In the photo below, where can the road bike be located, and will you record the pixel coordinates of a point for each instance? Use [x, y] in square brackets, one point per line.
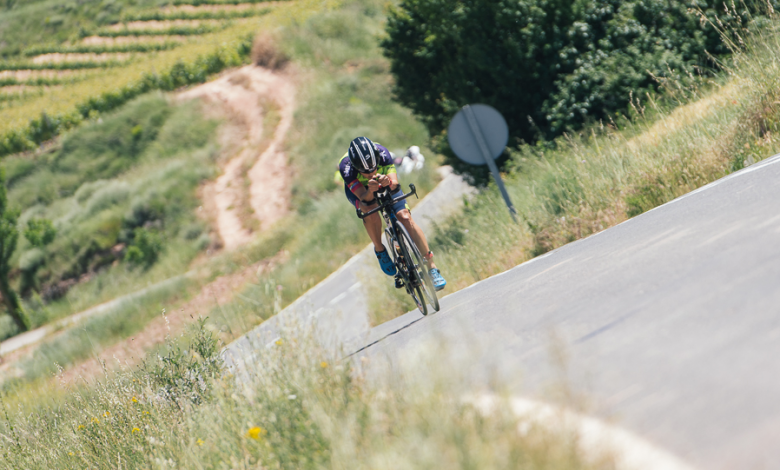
[408, 261]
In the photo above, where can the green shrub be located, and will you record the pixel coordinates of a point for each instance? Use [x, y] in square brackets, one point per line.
[40, 232]
[548, 66]
[145, 249]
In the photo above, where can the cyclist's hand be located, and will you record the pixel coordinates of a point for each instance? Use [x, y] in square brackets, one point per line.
[384, 180]
[373, 186]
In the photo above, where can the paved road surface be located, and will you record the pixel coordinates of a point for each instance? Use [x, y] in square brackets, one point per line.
[338, 304]
[671, 321]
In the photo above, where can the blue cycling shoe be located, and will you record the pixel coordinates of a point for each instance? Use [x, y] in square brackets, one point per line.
[438, 281]
[386, 263]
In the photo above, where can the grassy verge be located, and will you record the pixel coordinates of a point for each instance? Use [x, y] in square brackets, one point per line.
[606, 175]
[296, 410]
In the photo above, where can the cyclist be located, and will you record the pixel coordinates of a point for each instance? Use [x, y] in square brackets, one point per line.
[365, 168]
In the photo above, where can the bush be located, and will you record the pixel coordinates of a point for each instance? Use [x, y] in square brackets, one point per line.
[40, 232]
[547, 66]
[145, 249]
[266, 53]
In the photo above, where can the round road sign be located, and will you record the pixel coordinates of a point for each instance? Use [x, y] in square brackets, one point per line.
[466, 144]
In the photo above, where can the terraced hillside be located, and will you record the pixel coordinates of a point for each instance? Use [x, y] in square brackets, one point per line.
[90, 65]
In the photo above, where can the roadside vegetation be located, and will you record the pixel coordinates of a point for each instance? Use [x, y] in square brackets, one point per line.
[295, 408]
[553, 67]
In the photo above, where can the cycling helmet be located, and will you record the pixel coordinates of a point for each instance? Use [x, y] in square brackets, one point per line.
[363, 154]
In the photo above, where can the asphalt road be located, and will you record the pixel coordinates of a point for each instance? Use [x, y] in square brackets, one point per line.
[338, 306]
[670, 321]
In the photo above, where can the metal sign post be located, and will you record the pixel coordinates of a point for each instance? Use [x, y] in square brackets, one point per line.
[478, 135]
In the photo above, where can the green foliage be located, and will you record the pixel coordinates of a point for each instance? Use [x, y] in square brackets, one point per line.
[9, 235]
[145, 249]
[182, 73]
[186, 374]
[75, 65]
[40, 232]
[100, 48]
[197, 15]
[549, 66]
[171, 31]
[137, 168]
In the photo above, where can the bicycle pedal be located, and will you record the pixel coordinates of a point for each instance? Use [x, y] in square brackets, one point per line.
[399, 283]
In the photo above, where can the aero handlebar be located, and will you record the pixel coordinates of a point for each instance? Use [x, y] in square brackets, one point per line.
[390, 202]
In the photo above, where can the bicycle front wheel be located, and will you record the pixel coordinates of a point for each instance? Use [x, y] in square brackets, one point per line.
[422, 284]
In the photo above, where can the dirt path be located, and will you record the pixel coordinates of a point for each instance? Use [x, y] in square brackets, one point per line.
[242, 97]
[130, 351]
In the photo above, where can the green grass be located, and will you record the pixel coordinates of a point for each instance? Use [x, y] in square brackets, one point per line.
[140, 167]
[170, 31]
[197, 15]
[99, 48]
[29, 23]
[91, 336]
[296, 410]
[64, 65]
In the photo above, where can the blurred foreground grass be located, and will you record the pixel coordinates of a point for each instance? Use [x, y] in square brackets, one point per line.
[295, 408]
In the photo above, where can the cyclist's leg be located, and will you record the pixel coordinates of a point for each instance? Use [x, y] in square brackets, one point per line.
[404, 215]
[373, 222]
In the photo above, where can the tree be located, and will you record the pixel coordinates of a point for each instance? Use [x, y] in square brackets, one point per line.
[550, 66]
[9, 235]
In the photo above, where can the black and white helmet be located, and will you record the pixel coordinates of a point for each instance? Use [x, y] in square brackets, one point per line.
[363, 154]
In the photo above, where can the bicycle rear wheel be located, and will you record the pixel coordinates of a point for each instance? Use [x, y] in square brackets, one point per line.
[422, 285]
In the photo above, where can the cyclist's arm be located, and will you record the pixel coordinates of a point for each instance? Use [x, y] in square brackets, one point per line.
[362, 193]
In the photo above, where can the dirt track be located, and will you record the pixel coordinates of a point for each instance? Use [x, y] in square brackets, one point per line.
[243, 98]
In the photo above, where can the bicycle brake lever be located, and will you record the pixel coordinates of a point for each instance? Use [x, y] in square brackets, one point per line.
[414, 190]
[359, 213]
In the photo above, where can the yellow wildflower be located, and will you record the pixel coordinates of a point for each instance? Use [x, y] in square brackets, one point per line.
[278, 342]
[134, 400]
[199, 442]
[135, 430]
[95, 420]
[107, 414]
[256, 433]
[81, 426]
[323, 364]
[70, 453]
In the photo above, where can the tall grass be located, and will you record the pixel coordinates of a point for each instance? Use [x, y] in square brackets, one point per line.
[295, 409]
